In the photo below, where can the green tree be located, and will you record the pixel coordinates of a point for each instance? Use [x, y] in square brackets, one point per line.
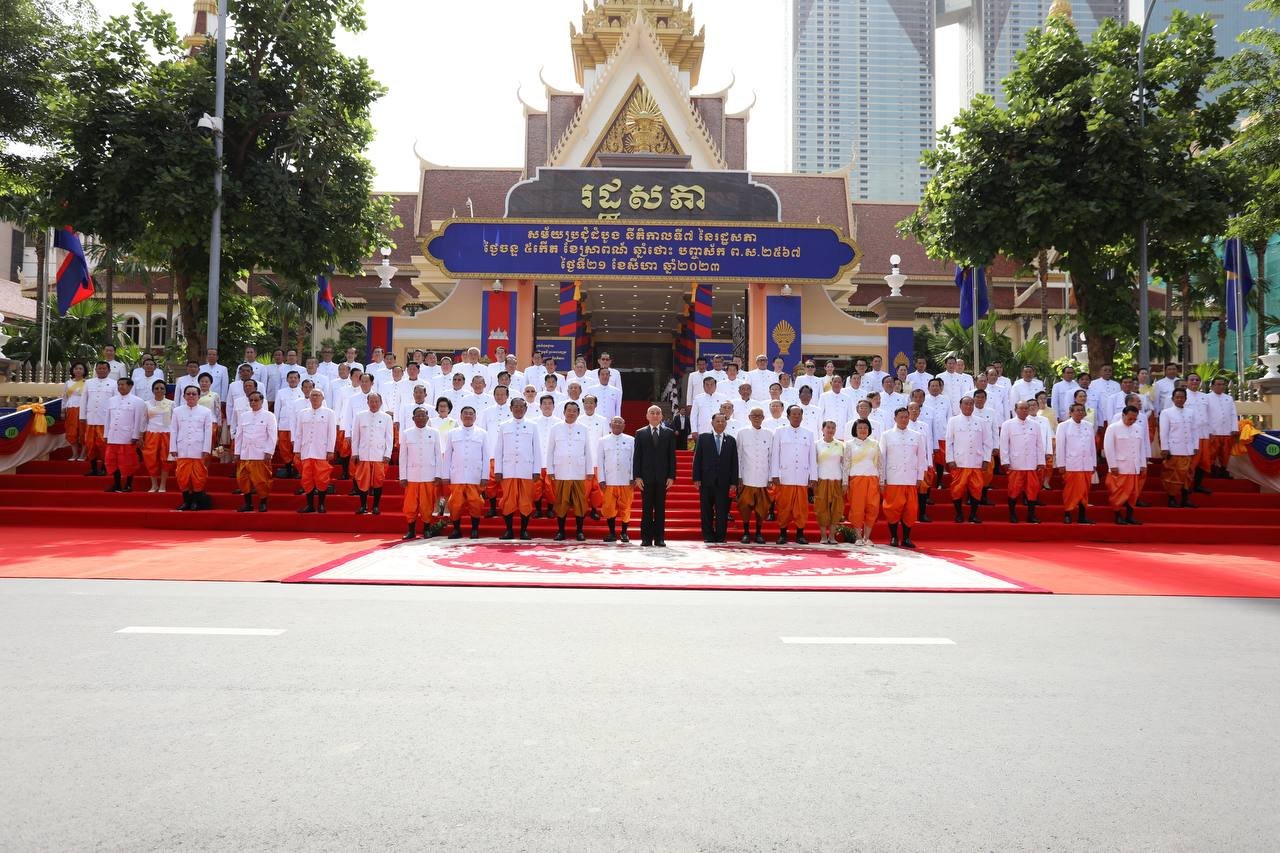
[78, 335]
[297, 191]
[1067, 165]
[1253, 74]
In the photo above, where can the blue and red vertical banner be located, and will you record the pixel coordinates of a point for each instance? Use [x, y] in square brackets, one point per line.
[324, 294]
[380, 334]
[497, 322]
[782, 327]
[901, 344]
[700, 317]
[569, 291]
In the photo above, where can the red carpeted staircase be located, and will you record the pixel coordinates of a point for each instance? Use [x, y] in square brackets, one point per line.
[57, 494]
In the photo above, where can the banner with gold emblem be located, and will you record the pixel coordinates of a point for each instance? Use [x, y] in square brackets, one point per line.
[782, 320]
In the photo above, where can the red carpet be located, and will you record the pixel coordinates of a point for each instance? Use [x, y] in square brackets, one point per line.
[56, 494]
[1245, 570]
[1073, 568]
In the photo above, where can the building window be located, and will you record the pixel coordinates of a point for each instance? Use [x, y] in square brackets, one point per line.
[132, 328]
[159, 331]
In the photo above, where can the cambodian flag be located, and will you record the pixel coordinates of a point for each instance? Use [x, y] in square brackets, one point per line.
[324, 294]
[74, 282]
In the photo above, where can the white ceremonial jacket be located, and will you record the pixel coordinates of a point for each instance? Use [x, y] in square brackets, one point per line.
[862, 458]
[126, 419]
[287, 400]
[255, 435]
[922, 426]
[1198, 403]
[969, 442]
[793, 462]
[517, 449]
[993, 422]
[1022, 390]
[937, 411]
[1063, 392]
[543, 425]
[570, 454]
[1126, 448]
[702, 409]
[616, 458]
[190, 432]
[906, 456]
[142, 382]
[760, 380]
[420, 454]
[315, 432]
[1075, 449]
[465, 460]
[97, 396]
[1022, 444]
[755, 456]
[371, 436]
[1179, 432]
[1222, 413]
[836, 407]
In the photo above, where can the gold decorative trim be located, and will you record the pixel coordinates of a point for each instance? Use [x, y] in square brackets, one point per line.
[841, 236]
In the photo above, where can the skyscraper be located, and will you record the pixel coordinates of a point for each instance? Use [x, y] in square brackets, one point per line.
[862, 92]
[995, 30]
[1230, 19]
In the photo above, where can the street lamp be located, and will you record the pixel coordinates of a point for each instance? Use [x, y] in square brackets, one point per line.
[385, 271]
[1144, 308]
[895, 279]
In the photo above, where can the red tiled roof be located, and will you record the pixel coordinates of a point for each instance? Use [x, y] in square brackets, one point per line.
[806, 198]
[940, 296]
[406, 207]
[876, 233]
[445, 193]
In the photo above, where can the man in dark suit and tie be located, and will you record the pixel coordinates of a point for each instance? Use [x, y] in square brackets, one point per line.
[654, 469]
[679, 424]
[715, 469]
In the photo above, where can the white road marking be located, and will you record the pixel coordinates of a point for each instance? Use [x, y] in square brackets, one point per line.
[214, 632]
[870, 641]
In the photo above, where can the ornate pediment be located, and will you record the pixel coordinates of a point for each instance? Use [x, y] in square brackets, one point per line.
[637, 127]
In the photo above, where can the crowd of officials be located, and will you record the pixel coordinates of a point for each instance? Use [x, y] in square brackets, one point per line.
[472, 438]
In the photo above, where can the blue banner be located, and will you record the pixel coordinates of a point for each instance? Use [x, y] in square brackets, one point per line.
[782, 327]
[711, 349]
[900, 345]
[591, 249]
[561, 349]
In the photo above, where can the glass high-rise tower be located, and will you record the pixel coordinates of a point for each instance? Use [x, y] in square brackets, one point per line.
[995, 30]
[1230, 19]
[862, 92]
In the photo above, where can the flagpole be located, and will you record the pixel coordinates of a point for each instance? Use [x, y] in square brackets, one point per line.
[315, 323]
[974, 297]
[1238, 295]
[44, 313]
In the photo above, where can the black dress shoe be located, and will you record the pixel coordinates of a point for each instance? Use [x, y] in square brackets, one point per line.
[624, 537]
[645, 543]
[661, 543]
[746, 539]
[800, 540]
[759, 540]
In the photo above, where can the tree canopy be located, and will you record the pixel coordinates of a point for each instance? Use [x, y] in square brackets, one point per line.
[297, 191]
[1069, 165]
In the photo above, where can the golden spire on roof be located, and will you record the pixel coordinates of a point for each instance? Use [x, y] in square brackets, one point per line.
[1060, 9]
[605, 21]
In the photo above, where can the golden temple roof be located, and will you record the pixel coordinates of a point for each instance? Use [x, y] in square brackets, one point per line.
[604, 23]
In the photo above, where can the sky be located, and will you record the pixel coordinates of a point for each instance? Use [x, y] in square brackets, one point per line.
[452, 71]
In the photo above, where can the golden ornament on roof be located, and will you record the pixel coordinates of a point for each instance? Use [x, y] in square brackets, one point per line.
[784, 335]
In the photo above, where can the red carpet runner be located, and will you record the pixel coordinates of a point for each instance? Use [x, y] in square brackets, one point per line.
[56, 494]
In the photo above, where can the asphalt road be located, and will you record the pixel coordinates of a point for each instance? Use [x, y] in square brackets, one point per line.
[452, 719]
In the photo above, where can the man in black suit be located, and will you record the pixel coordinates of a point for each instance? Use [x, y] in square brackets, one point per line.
[679, 424]
[715, 469]
[653, 466]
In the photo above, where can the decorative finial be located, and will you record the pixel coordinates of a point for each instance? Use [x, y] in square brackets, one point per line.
[1060, 9]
